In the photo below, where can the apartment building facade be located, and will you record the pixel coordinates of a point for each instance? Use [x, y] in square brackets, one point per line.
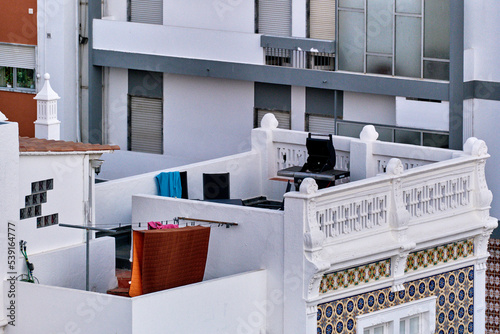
[200, 76]
[37, 37]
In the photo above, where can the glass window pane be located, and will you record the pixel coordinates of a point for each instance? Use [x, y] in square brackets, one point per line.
[414, 324]
[437, 29]
[407, 137]
[436, 140]
[378, 330]
[402, 327]
[384, 134]
[409, 6]
[366, 331]
[25, 78]
[379, 65]
[351, 41]
[408, 46]
[6, 77]
[349, 129]
[359, 4]
[436, 70]
[379, 26]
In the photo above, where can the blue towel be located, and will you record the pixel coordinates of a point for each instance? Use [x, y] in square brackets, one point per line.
[169, 184]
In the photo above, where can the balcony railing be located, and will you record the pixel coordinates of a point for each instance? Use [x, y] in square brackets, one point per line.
[299, 52]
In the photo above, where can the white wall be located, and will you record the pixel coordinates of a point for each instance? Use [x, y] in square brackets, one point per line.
[66, 267]
[9, 189]
[485, 126]
[422, 114]
[67, 199]
[46, 309]
[116, 106]
[206, 117]
[231, 305]
[369, 108]
[257, 242]
[482, 26]
[57, 56]
[229, 15]
[177, 41]
[114, 198]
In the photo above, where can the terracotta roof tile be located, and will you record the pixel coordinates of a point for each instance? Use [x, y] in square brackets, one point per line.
[27, 144]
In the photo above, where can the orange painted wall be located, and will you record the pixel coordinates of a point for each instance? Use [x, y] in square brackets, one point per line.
[20, 108]
[16, 24]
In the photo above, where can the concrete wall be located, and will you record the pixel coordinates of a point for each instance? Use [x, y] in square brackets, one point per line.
[66, 267]
[114, 198]
[228, 15]
[9, 189]
[422, 114]
[236, 304]
[66, 199]
[257, 242]
[47, 309]
[20, 108]
[206, 118]
[177, 41]
[369, 108]
[17, 25]
[57, 55]
[485, 125]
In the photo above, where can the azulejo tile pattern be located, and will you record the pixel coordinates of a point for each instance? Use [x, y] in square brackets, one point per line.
[454, 305]
[438, 255]
[354, 276]
[492, 314]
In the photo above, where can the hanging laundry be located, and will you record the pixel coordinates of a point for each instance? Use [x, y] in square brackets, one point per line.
[160, 226]
[169, 184]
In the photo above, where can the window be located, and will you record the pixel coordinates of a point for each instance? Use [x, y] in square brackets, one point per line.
[283, 118]
[145, 125]
[408, 38]
[11, 77]
[410, 325]
[415, 317]
[17, 67]
[379, 329]
[145, 11]
[274, 17]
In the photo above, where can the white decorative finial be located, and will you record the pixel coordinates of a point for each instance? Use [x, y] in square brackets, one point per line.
[394, 167]
[475, 147]
[308, 186]
[46, 125]
[368, 133]
[3, 118]
[269, 121]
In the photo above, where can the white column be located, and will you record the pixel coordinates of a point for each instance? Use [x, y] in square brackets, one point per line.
[46, 125]
[298, 113]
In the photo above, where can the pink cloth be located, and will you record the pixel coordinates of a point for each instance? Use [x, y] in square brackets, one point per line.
[160, 226]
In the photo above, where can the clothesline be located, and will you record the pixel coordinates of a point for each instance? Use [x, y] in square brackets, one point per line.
[175, 221]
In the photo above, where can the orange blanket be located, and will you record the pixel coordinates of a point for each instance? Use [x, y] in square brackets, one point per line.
[164, 259]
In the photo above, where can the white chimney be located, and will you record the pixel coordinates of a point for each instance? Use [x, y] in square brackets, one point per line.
[46, 125]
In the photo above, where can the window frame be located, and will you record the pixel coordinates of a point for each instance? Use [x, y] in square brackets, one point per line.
[14, 87]
[392, 55]
[390, 317]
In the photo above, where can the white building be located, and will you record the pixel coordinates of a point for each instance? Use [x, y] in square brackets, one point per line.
[403, 243]
[423, 72]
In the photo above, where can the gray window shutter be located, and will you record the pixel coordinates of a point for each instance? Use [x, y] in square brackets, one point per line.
[320, 124]
[283, 118]
[275, 17]
[146, 11]
[146, 125]
[20, 56]
[322, 19]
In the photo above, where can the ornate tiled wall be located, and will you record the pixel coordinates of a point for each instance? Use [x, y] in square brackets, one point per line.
[454, 305]
[354, 276]
[438, 255]
[493, 288]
